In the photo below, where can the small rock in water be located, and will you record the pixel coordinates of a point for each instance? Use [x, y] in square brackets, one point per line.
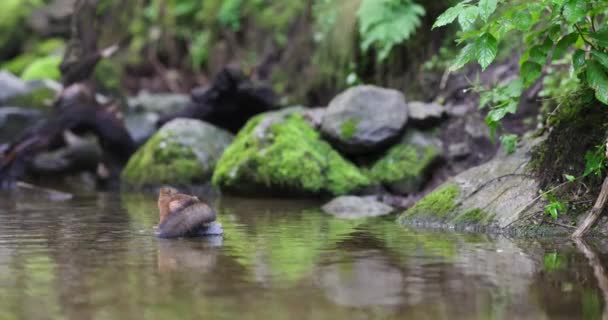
[352, 207]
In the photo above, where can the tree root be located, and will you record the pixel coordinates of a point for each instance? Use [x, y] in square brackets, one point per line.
[595, 212]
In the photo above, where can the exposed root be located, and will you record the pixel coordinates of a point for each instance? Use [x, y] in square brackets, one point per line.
[595, 212]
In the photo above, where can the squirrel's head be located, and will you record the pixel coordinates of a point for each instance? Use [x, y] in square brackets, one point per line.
[167, 191]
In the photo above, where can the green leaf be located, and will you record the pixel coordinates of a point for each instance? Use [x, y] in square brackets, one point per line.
[579, 60]
[555, 32]
[509, 142]
[467, 17]
[467, 54]
[595, 161]
[530, 72]
[538, 55]
[486, 8]
[575, 11]
[547, 45]
[601, 57]
[486, 48]
[598, 80]
[514, 89]
[522, 19]
[563, 44]
[449, 16]
[569, 177]
[601, 37]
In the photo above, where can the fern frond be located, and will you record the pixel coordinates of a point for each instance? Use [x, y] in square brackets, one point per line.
[383, 24]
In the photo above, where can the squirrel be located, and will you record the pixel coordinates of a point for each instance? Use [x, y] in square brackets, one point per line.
[183, 215]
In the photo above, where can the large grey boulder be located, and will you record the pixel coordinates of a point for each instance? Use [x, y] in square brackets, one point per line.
[364, 119]
[182, 152]
[495, 195]
[351, 207]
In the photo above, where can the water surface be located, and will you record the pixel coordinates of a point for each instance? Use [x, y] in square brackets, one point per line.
[95, 257]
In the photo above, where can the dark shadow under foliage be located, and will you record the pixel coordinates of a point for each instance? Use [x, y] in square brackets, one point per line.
[578, 126]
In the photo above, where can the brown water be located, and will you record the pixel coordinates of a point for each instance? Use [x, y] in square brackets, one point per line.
[95, 257]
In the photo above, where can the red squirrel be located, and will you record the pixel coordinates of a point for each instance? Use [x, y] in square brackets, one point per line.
[184, 215]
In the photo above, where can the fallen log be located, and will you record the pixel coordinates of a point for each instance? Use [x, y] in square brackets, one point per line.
[77, 111]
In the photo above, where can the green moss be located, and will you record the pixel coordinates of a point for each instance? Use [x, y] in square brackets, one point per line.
[403, 162]
[348, 128]
[41, 49]
[43, 68]
[158, 162]
[439, 203]
[291, 157]
[472, 216]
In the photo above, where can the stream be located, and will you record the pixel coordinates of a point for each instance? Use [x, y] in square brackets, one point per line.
[95, 257]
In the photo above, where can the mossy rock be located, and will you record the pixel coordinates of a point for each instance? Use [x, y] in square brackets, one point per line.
[280, 152]
[493, 196]
[438, 204]
[43, 68]
[183, 152]
[405, 167]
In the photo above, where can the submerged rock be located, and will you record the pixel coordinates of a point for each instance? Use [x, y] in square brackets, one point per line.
[351, 207]
[184, 151]
[494, 195]
[280, 152]
[405, 166]
[365, 118]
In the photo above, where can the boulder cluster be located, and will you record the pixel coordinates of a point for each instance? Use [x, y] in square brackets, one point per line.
[366, 141]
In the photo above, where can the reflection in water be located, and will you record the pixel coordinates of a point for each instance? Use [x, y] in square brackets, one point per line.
[365, 280]
[598, 269]
[96, 257]
[199, 255]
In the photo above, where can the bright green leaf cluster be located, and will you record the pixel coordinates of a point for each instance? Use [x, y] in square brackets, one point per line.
[555, 207]
[550, 29]
[595, 161]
